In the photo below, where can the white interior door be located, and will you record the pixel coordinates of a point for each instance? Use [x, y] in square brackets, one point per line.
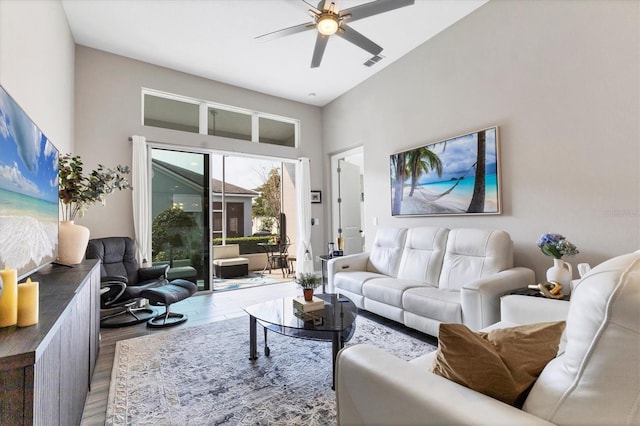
[347, 202]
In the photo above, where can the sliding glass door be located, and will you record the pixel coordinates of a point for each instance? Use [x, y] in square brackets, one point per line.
[203, 199]
[180, 230]
[252, 198]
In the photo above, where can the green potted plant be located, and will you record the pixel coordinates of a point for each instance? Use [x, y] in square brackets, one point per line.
[77, 191]
[308, 282]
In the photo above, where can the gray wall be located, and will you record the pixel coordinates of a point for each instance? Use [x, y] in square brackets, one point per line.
[37, 65]
[560, 78]
[108, 111]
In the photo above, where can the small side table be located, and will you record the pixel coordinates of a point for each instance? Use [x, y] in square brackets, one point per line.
[522, 308]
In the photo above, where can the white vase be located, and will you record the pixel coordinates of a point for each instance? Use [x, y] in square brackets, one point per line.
[561, 272]
[72, 242]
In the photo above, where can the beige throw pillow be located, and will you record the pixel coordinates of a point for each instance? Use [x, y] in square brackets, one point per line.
[503, 363]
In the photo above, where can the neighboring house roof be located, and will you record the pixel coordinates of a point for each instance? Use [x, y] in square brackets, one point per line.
[196, 178]
[230, 188]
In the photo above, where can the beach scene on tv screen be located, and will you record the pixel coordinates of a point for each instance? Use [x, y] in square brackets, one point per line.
[28, 191]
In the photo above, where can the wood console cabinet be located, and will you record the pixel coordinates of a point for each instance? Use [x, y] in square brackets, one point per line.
[46, 369]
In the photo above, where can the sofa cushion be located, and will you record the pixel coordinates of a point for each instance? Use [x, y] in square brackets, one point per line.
[231, 261]
[474, 253]
[426, 361]
[181, 272]
[386, 251]
[600, 362]
[388, 290]
[226, 251]
[423, 253]
[353, 281]
[432, 302]
[502, 363]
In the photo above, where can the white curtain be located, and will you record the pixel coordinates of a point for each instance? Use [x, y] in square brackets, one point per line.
[304, 253]
[141, 199]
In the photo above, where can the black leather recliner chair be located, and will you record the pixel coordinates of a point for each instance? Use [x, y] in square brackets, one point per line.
[122, 281]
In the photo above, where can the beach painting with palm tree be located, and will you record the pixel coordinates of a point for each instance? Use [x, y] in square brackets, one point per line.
[455, 176]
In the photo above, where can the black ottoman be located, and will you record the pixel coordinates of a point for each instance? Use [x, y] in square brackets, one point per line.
[165, 295]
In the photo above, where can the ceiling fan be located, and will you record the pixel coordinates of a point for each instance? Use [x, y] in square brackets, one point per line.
[328, 21]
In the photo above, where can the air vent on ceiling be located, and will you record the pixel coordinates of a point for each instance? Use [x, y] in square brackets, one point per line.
[373, 60]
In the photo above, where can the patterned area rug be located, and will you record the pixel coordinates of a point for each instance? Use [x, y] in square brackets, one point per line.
[202, 375]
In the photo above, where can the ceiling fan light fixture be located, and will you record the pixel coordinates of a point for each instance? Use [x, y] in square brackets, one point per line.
[327, 24]
[329, 20]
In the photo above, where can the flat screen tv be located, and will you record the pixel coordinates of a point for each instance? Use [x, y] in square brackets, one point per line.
[28, 191]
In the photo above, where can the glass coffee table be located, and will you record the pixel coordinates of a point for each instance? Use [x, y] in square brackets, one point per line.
[335, 323]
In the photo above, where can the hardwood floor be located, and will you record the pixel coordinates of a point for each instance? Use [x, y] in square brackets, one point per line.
[201, 309]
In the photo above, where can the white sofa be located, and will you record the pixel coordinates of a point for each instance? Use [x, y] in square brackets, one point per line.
[595, 380]
[425, 276]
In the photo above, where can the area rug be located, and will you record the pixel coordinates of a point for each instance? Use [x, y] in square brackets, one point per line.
[202, 375]
[251, 280]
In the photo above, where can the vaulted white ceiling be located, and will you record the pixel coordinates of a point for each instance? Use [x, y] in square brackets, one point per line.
[215, 39]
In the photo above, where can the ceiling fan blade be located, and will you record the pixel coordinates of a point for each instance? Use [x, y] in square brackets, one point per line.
[286, 31]
[324, 4]
[318, 51]
[373, 8]
[358, 39]
[315, 9]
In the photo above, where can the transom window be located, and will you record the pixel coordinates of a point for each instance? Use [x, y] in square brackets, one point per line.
[175, 112]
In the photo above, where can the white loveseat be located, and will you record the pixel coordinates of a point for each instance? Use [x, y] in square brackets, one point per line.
[425, 276]
[595, 380]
